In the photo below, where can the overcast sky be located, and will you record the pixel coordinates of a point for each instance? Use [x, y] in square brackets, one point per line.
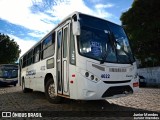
[27, 21]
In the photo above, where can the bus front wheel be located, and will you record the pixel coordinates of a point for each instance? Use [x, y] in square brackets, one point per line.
[50, 92]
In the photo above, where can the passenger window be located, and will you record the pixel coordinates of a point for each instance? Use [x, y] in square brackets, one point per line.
[29, 58]
[37, 52]
[48, 46]
[24, 61]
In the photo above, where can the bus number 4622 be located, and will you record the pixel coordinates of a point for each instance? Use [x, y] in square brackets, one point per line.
[105, 76]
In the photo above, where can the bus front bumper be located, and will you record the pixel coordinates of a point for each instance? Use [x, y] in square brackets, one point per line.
[100, 90]
[8, 82]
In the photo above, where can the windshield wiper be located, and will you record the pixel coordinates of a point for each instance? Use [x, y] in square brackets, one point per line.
[111, 41]
[103, 58]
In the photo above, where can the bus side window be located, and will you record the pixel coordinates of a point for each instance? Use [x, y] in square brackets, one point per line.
[29, 57]
[72, 51]
[37, 52]
[24, 61]
[48, 46]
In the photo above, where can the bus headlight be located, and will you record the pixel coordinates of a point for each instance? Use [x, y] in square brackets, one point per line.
[91, 77]
[87, 74]
[96, 79]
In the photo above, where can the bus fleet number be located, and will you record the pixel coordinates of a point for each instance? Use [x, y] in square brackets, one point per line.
[105, 76]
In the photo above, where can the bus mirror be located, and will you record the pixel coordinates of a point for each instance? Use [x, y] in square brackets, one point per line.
[76, 28]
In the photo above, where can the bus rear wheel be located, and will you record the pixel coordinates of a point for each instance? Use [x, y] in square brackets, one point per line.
[50, 92]
[24, 89]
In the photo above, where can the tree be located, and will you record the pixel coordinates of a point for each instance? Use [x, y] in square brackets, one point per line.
[9, 50]
[142, 23]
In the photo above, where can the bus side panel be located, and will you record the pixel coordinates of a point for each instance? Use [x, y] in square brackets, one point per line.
[40, 71]
[73, 81]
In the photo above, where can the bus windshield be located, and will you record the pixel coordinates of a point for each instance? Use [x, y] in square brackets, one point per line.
[108, 43]
[8, 73]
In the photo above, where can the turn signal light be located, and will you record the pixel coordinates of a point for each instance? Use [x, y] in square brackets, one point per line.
[71, 81]
[136, 84]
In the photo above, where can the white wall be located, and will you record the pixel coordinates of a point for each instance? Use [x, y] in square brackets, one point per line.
[151, 74]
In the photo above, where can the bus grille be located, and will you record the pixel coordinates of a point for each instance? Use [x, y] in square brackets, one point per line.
[117, 70]
[117, 90]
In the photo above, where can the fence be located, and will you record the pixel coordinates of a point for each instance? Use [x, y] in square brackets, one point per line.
[152, 75]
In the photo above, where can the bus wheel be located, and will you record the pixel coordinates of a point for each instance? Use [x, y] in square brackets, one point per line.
[50, 92]
[25, 90]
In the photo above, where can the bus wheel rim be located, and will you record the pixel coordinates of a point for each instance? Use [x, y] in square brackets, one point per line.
[51, 91]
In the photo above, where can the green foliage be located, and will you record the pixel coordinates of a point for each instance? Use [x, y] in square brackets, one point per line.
[142, 23]
[9, 50]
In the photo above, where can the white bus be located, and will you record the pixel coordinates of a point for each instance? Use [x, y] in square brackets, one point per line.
[82, 58]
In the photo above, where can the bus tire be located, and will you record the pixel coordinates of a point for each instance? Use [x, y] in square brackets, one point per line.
[24, 89]
[50, 92]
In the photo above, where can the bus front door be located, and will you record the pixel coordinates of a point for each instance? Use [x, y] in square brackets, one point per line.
[62, 61]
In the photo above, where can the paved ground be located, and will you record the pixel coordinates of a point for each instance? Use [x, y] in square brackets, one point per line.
[147, 100]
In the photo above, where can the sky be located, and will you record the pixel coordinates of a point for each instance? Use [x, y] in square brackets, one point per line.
[28, 21]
